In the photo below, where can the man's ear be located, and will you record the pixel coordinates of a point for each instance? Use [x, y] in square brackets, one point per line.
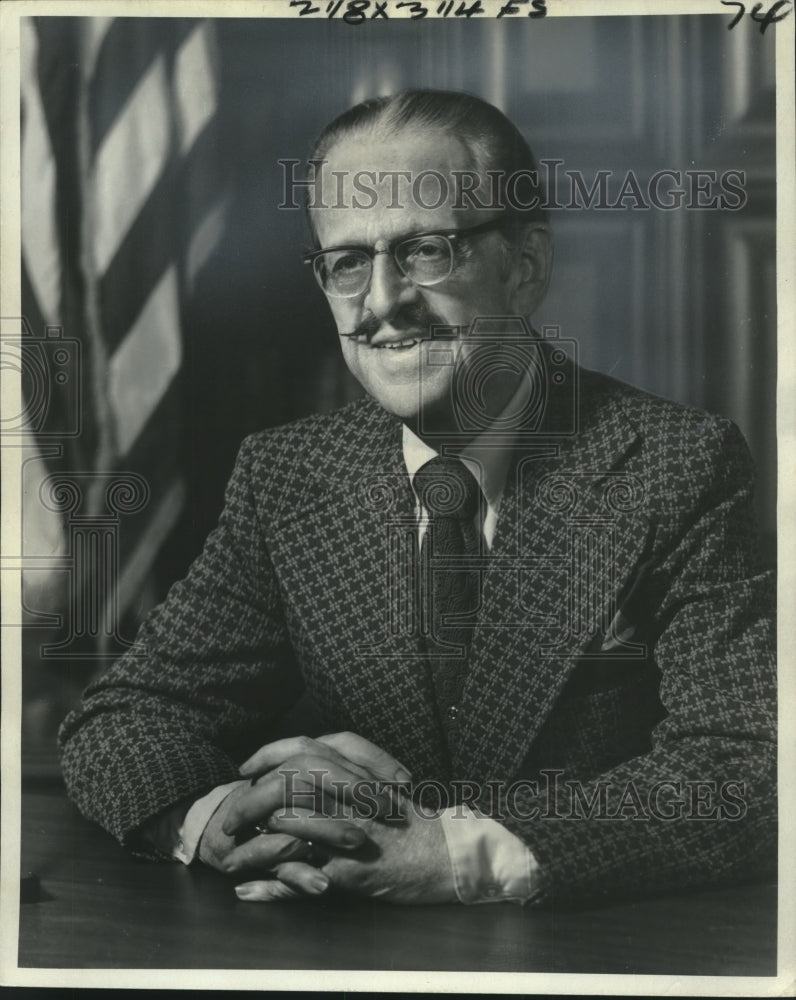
[533, 267]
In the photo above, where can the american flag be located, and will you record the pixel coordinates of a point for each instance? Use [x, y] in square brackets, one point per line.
[123, 202]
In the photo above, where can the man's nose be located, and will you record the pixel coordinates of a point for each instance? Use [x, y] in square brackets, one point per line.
[389, 287]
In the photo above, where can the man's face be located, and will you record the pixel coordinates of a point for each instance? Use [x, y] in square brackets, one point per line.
[384, 331]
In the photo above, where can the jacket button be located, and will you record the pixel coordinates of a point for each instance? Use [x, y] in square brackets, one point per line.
[453, 712]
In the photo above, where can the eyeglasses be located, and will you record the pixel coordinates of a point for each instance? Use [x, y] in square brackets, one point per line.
[344, 272]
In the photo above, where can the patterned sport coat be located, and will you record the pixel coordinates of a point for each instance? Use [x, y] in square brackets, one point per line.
[618, 707]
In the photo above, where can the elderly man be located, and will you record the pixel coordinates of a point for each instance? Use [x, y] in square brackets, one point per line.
[521, 596]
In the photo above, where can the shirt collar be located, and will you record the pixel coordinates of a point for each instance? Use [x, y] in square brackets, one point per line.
[487, 457]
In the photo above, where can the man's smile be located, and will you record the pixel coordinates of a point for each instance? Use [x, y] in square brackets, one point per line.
[401, 345]
[394, 353]
[390, 341]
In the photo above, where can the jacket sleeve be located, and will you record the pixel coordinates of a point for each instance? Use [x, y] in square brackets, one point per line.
[700, 806]
[209, 672]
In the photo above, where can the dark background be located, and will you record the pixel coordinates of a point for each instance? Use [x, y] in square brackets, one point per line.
[681, 303]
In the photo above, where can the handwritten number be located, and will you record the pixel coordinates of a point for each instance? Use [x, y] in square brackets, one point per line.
[463, 10]
[306, 7]
[770, 17]
[741, 11]
[416, 9]
[355, 11]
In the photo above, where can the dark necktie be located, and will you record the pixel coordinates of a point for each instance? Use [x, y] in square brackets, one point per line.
[451, 496]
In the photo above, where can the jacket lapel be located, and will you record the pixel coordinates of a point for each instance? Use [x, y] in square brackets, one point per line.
[570, 531]
[348, 550]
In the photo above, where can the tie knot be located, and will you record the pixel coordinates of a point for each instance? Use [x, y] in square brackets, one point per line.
[447, 488]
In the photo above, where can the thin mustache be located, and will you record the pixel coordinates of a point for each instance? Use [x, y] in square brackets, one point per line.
[406, 319]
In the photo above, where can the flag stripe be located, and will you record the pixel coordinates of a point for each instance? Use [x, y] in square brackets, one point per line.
[153, 456]
[40, 247]
[194, 86]
[140, 562]
[182, 27]
[149, 244]
[123, 155]
[95, 32]
[139, 138]
[63, 410]
[30, 304]
[201, 185]
[47, 273]
[126, 53]
[160, 439]
[59, 82]
[146, 251]
[145, 362]
[204, 239]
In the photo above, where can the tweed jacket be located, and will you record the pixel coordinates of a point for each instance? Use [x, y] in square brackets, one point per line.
[622, 657]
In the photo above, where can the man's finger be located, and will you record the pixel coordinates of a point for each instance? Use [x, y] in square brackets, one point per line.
[255, 804]
[309, 782]
[264, 853]
[265, 892]
[342, 834]
[358, 750]
[303, 878]
[273, 754]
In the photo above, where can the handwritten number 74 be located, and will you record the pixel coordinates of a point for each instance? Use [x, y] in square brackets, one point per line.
[770, 17]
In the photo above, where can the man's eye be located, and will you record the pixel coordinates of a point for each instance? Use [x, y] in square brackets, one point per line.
[347, 263]
[427, 251]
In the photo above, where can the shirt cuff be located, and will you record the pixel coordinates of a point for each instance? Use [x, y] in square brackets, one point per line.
[176, 833]
[490, 864]
[196, 819]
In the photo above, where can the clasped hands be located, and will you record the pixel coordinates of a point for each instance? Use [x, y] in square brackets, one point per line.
[335, 801]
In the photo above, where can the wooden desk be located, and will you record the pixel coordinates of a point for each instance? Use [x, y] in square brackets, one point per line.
[101, 909]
